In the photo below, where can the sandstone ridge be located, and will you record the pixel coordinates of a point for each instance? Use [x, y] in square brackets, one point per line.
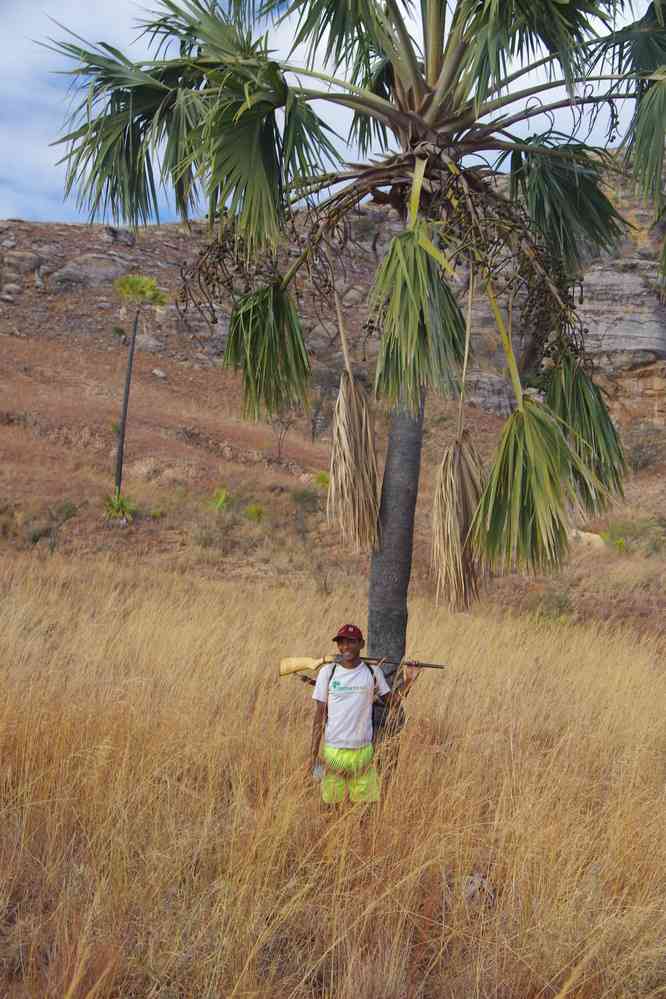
[56, 282]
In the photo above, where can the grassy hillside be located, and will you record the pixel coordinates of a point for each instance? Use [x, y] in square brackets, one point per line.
[160, 835]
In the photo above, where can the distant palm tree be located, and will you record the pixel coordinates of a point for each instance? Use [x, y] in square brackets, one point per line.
[445, 94]
[137, 291]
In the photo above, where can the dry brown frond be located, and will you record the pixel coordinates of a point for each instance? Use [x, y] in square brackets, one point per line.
[460, 484]
[353, 494]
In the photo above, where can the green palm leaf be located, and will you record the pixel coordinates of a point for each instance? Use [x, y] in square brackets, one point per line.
[578, 403]
[647, 137]
[332, 29]
[523, 517]
[126, 113]
[500, 31]
[637, 49]
[564, 197]
[373, 71]
[243, 168]
[423, 339]
[211, 30]
[266, 344]
[306, 147]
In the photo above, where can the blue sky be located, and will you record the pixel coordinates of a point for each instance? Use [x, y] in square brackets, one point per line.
[34, 97]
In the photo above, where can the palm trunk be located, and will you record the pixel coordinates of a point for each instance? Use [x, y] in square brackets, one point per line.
[391, 566]
[120, 453]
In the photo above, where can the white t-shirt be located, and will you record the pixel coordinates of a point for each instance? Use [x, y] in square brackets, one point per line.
[349, 696]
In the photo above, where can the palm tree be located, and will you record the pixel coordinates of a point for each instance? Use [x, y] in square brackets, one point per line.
[455, 116]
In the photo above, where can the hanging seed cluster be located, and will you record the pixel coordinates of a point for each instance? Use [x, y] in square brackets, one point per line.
[478, 226]
[223, 272]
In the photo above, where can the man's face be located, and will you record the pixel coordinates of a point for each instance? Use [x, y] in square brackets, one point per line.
[349, 649]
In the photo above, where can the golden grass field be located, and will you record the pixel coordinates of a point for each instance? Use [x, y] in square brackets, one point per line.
[160, 836]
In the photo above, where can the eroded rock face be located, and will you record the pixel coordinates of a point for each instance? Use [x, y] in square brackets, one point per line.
[21, 261]
[636, 392]
[90, 270]
[622, 310]
[145, 341]
[49, 274]
[490, 391]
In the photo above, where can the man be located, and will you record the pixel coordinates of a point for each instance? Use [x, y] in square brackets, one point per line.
[344, 695]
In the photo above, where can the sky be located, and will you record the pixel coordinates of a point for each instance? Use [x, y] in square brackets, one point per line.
[35, 101]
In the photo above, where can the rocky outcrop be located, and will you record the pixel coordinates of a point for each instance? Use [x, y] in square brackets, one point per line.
[57, 281]
[489, 390]
[91, 270]
[635, 387]
[622, 309]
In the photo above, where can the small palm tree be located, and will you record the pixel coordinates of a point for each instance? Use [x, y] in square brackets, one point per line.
[450, 98]
[137, 291]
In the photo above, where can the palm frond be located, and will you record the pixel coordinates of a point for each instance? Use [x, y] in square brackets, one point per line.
[646, 139]
[111, 156]
[266, 344]
[373, 71]
[635, 50]
[353, 494]
[579, 404]
[423, 339]
[243, 168]
[333, 29]
[500, 31]
[522, 519]
[208, 30]
[306, 147]
[458, 490]
[564, 197]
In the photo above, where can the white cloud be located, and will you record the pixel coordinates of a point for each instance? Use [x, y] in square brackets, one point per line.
[35, 99]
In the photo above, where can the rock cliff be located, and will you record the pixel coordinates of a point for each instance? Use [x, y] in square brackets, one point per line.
[56, 281]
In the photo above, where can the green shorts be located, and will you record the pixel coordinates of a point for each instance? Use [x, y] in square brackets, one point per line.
[349, 771]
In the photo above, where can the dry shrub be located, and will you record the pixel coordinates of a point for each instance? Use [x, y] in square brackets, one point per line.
[160, 838]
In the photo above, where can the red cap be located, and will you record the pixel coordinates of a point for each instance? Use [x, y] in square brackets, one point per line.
[349, 631]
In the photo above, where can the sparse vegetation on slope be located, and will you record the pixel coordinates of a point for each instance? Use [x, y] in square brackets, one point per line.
[160, 837]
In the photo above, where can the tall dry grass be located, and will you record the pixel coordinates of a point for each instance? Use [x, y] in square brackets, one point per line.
[159, 835]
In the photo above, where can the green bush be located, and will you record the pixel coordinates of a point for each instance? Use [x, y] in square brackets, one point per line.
[254, 512]
[64, 511]
[39, 531]
[644, 534]
[555, 604]
[221, 499]
[306, 499]
[119, 507]
[322, 479]
[135, 289]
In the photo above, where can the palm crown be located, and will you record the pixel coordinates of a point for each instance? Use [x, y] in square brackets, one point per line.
[449, 98]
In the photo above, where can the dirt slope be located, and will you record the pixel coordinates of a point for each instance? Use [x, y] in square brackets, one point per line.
[61, 376]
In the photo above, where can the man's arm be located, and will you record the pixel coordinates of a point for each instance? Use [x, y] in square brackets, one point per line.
[318, 724]
[394, 697]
